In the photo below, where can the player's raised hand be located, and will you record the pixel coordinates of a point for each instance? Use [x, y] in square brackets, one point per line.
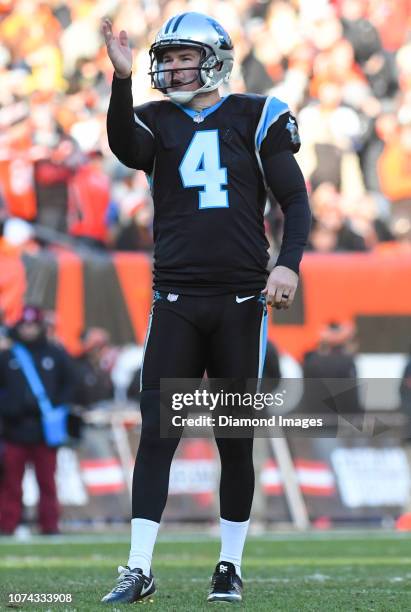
[281, 287]
[118, 50]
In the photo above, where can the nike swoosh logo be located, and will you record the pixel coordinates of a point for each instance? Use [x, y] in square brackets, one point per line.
[239, 300]
[147, 588]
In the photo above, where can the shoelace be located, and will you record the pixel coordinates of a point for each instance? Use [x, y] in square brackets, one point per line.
[126, 579]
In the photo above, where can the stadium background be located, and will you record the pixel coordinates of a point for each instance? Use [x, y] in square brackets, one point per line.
[76, 238]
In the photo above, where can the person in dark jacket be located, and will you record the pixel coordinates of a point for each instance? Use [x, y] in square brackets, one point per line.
[21, 417]
[333, 359]
[94, 382]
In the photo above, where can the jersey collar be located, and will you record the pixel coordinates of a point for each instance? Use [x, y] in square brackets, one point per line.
[199, 116]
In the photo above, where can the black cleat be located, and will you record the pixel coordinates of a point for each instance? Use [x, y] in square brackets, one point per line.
[132, 585]
[225, 584]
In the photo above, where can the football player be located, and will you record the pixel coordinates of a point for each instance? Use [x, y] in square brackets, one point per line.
[210, 162]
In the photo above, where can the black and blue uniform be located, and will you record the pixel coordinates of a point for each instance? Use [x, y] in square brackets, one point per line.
[209, 173]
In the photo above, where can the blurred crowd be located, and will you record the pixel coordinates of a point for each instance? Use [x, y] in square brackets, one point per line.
[343, 66]
[98, 373]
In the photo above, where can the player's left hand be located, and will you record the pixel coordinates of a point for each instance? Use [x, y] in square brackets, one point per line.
[281, 287]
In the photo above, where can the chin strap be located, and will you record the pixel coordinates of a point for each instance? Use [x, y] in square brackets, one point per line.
[182, 97]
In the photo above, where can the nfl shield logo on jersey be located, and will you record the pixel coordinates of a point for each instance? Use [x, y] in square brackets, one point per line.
[172, 297]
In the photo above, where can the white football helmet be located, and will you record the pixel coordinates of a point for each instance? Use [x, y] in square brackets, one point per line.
[200, 32]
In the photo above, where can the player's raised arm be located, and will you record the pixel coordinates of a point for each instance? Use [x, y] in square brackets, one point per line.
[130, 140]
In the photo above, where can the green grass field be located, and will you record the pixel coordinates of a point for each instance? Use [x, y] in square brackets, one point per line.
[319, 572]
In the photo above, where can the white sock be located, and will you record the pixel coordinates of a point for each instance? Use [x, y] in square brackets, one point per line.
[143, 538]
[233, 535]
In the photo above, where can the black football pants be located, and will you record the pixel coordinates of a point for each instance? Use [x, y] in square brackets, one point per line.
[225, 336]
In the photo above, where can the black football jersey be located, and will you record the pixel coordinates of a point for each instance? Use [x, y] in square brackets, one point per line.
[209, 190]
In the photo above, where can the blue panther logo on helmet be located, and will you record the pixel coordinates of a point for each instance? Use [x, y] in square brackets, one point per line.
[224, 38]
